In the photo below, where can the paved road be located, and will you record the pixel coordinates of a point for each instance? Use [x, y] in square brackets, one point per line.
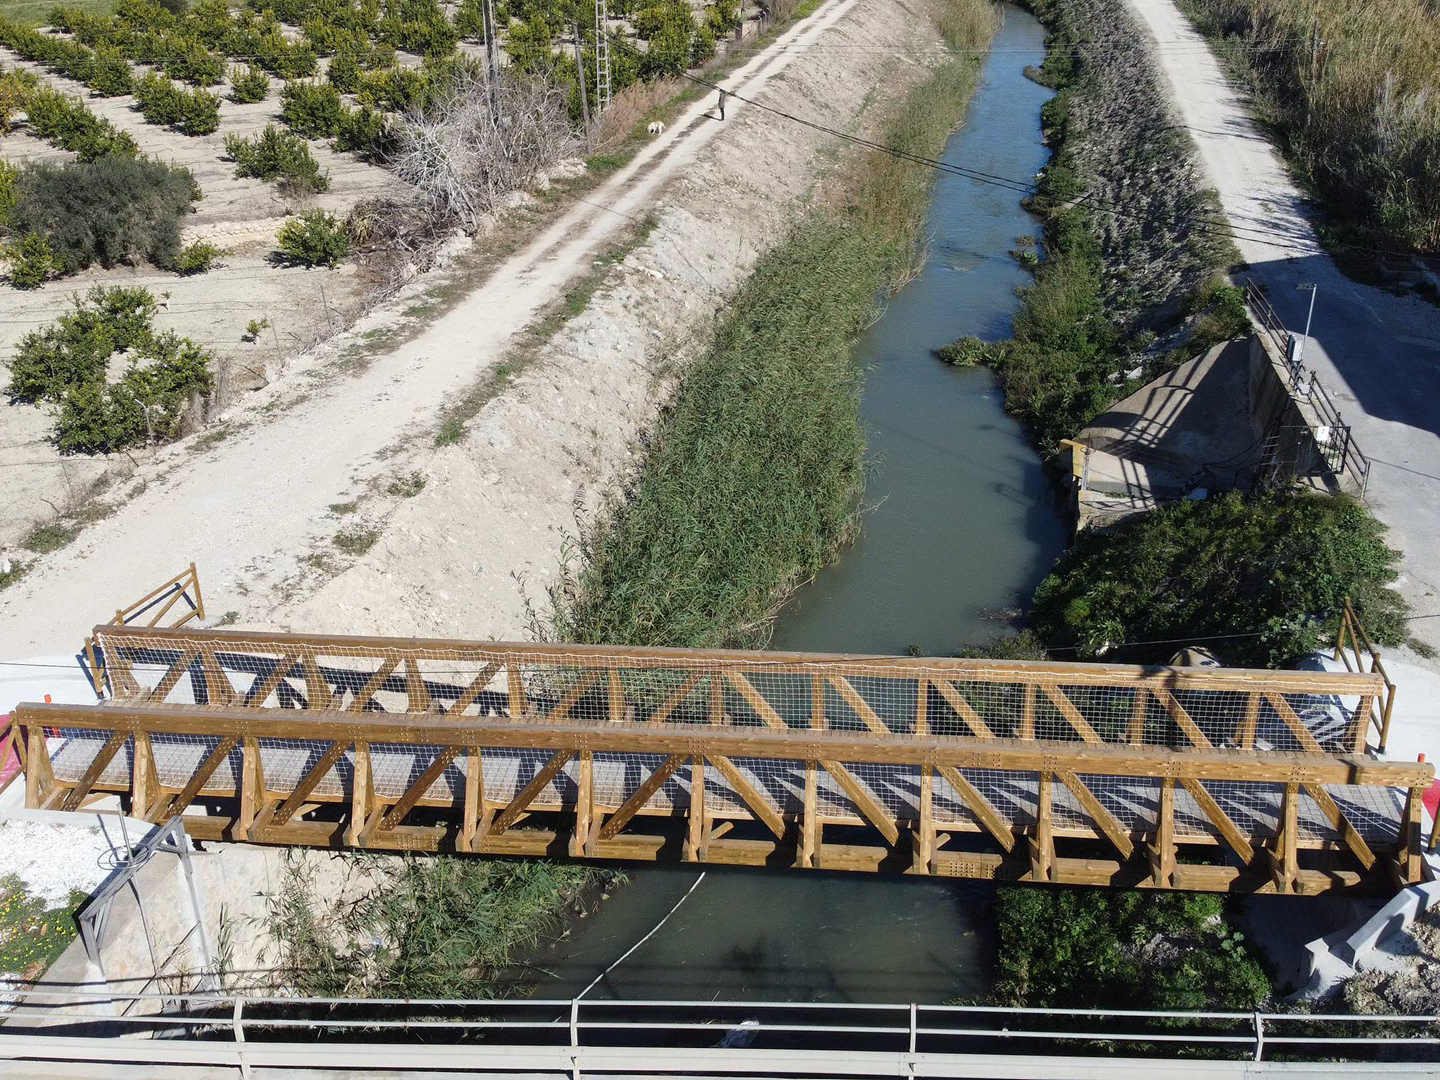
[1377, 353]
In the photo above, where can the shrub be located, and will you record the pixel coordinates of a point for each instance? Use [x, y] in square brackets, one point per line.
[66, 122]
[32, 263]
[1067, 947]
[191, 62]
[1272, 569]
[670, 29]
[196, 258]
[53, 359]
[191, 112]
[249, 85]
[722, 17]
[417, 26]
[277, 155]
[315, 238]
[110, 74]
[112, 210]
[283, 58]
[311, 109]
[16, 88]
[344, 72]
[8, 175]
[366, 132]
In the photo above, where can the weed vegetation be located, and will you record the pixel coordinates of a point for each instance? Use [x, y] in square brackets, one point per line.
[753, 473]
[1101, 318]
[1272, 569]
[431, 927]
[1123, 948]
[1353, 89]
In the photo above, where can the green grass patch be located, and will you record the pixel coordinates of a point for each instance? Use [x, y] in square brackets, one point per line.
[50, 536]
[1125, 948]
[31, 934]
[754, 471]
[406, 486]
[16, 571]
[356, 540]
[37, 12]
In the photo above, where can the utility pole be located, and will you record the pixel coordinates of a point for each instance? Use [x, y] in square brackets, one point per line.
[492, 59]
[602, 57]
[580, 78]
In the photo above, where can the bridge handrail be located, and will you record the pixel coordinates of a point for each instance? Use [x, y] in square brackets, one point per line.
[1203, 707]
[920, 1029]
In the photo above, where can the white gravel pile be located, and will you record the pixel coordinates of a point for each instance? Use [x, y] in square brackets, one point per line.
[54, 859]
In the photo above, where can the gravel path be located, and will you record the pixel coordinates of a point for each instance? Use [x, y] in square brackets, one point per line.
[1376, 352]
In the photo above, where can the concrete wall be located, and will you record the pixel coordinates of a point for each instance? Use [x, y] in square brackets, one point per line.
[1290, 421]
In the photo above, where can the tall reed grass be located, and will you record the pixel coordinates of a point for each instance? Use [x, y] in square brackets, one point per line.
[1354, 87]
[754, 471]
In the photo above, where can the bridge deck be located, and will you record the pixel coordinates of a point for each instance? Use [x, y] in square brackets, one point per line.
[1184, 778]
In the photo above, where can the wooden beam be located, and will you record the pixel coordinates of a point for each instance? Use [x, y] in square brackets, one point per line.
[1183, 719]
[217, 686]
[475, 689]
[571, 698]
[417, 695]
[1245, 737]
[527, 794]
[76, 795]
[642, 795]
[252, 787]
[756, 700]
[372, 686]
[307, 783]
[616, 697]
[980, 806]
[1294, 723]
[516, 682]
[362, 797]
[697, 832]
[1104, 820]
[759, 805]
[261, 689]
[963, 709]
[173, 675]
[1027, 713]
[474, 821]
[1042, 843]
[1139, 707]
[407, 801]
[1229, 831]
[584, 805]
[864, 801]
[144, 782]
[861, 707]
[1353, 840]
[810, 820]
[1067, 709]
[1163, 859]
[1412, 839]
[679, 694]
[1286, 841]
[200, 778]
[317, 689]
[924, 862]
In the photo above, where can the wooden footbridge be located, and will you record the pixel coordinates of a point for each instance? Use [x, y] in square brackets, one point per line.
[1156, 777]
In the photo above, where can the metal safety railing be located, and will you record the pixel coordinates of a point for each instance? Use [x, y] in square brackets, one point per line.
[1333, 437]
[676, 1037]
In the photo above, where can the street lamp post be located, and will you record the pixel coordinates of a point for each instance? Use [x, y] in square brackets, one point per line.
[1300, 356]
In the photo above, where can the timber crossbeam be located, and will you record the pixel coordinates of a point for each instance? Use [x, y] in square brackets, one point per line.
[616, 784]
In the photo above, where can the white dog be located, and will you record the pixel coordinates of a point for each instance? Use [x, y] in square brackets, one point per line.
[657, 127]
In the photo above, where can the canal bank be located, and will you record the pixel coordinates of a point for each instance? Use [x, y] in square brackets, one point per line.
[948, 473]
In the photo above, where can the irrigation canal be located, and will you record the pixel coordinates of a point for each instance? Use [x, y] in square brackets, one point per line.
[961, 525]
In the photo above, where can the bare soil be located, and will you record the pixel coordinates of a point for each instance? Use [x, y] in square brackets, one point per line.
[261, 500]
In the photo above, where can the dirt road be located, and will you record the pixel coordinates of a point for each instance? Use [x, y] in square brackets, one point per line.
[1377, 353]
[254, 507]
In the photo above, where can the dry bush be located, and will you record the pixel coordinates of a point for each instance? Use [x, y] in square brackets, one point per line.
[465, 157]
[396, 239]
[629, 108]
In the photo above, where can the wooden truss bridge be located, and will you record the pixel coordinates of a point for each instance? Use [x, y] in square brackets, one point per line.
[1157, 777]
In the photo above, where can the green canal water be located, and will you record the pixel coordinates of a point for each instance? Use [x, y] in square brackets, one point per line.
[961, 526]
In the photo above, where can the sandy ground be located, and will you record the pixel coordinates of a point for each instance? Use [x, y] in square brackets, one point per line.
[240, 216]
[253, 500]
[1378, 353]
